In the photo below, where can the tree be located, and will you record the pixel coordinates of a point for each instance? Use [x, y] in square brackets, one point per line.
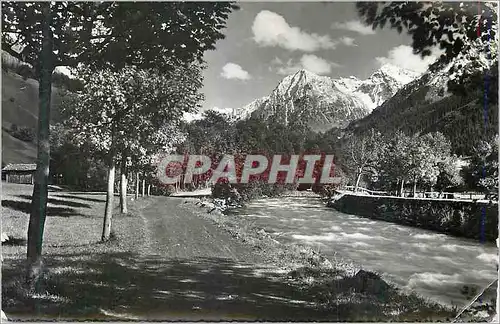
[361, 154]
[454, 26]
[482, 171]
[113, 34]
[130, 114]
[105, 34]
[424, 159]
[75, 164]
[426, 154]
[392, 165]
[449, 175]
[213, 136]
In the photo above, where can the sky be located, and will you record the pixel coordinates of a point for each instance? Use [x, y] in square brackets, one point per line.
[265, 41]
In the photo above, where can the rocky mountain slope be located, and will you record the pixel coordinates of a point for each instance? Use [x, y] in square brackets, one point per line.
[322, 102]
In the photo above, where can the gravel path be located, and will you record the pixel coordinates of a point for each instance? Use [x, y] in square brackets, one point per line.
[175, 232]
[194, 270]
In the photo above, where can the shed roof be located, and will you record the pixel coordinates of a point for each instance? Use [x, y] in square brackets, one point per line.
[20, 167]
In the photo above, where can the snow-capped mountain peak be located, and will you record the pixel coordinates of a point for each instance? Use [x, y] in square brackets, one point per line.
[383, 84]
[324, 102]
[401, 75]
[327, 100]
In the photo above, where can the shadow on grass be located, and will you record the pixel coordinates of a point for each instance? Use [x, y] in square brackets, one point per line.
[25, 207]
[76, 196]
[89, 193]
[154, 288]
[15, 241]
[60, 202]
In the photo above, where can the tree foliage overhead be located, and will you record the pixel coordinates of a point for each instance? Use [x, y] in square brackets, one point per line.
[115, 34]
[453, 26]
[466, 33]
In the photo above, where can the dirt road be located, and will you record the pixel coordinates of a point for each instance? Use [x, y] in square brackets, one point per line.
[190, 269]
[175, 232]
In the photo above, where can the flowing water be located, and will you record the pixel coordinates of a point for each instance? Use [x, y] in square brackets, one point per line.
[434, 265]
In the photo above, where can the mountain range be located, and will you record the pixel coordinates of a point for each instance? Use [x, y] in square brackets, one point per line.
[322, 102]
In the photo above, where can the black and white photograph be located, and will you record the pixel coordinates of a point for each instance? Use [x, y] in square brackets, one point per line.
[167, 161]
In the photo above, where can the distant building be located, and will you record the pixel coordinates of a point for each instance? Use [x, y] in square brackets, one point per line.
[19, 173]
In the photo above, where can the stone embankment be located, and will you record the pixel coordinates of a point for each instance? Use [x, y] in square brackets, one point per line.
[471, 219]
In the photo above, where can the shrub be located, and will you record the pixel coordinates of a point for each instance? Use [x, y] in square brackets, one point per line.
[25, 134]
[164, 190]
[247, 191]
[324, 190]
[25, 71]
[221, 190]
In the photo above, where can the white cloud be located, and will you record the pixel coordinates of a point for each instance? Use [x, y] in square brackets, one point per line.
[317, 64]
[309, 62]
[234, 71]
[354, 25]
[403, 56]
[271, 29]
[347, 41]
[288, 68]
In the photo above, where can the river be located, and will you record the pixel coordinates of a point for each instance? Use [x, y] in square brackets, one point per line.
[436, 266]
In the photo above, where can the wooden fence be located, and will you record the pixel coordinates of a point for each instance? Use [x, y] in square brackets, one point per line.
[422, 194]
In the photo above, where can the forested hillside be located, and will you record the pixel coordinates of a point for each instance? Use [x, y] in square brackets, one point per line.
[461, 116]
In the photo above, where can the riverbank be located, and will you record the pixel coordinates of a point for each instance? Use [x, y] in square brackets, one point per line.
[339, 285]
[475, 220]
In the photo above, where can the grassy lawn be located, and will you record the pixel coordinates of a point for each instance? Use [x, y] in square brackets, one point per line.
[71, 239]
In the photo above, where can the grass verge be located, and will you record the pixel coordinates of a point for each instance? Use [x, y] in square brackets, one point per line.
[71, 239]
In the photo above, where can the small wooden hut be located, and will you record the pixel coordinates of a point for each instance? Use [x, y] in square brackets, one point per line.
[19, 173]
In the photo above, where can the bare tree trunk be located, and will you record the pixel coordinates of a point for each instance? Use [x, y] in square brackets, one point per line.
[136, 185]
[40, 188]
[401, 191]
[110, 195]
[123, 187]
[358, 178]
[143, 193]
[149, 190]
[414, 187]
